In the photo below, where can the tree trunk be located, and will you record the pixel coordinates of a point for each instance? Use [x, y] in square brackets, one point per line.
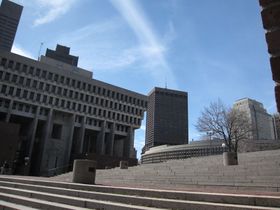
[230, 158]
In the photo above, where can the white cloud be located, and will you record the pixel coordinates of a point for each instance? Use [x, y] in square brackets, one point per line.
[151, 46]
[20, 51]
[52, 9]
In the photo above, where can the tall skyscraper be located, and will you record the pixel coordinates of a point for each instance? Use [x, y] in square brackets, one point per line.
[167, 118]
[9, 18]
[262, 122]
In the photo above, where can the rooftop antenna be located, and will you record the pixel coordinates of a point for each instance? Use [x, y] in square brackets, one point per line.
[39, 53]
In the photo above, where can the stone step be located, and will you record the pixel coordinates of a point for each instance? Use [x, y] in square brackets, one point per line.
[18, 200]
[162, 198]
[71, 202]
[11, 206]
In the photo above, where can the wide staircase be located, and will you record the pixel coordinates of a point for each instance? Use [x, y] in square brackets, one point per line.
[196, 183]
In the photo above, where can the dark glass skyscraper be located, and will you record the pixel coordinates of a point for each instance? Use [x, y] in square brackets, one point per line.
[9, 18]
[167, 118]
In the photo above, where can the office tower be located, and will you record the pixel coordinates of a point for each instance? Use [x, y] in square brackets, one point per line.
[9, 18]
[262, 122]
[167, 118]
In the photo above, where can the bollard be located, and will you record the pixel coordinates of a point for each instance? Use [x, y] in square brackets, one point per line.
[84, 171]
[123, 164]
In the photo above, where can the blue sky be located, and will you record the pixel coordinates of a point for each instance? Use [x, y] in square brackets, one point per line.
[210, 48]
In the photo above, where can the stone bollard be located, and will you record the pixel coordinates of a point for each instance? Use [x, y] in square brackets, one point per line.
[123, 164]
[230, 158]
[84, 171]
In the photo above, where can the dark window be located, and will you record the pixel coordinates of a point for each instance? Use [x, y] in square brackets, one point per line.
[7, 76]
[38, 97]
[47, 87]
[67, 81]
[56, 77]
[24, 68]
[56, 131]
[21, 79]
[25, 94]
[10, 65]
[31, 96]
[50, 75]
[41, 84]
[62, 79]
[44, 74]
[28, 81]
[14, 78]
[34, 85]
[11, 90]
[59, 90]
[44, 99]
[38, 71]
[3, 61]
[31, 70]
[18, 92]
[18, 66]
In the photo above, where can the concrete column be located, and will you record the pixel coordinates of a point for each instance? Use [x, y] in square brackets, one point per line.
[112, 139]
[129, 143]
[101, 139]
[43, 146]
[8, 116]
[70, 141]
[82, 135]
[32, 133]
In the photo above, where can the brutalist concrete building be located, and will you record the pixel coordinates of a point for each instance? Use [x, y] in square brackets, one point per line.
[63, 113]
[167, 118]
[9, 18]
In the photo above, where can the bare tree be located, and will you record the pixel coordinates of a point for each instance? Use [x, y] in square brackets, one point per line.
[231, 125]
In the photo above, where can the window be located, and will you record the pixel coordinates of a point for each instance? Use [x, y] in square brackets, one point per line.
[7, 76]
[34, 85]
[50, 75]
[62, 79]
[28, 81]
[1, 74]
[47, 87]
[3, 89]
[59, 90]
[67, 81]
[44, 74]
[18, 66]
[56, 78]
[25, 92]
[11, 64]
[31, 70]
[3, 62]
[21, 79]
[24, 68]
[44, 99]
[51, 100]
[38, 97]
[56, 131]
[31, 96]
[38, 71]
[11, 90]
[18, 92]
[41, 84]
[14, 78]
[64, 92]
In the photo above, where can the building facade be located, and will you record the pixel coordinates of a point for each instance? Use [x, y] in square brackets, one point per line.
[63, 112]
[271, 22]
[262, 123]
[9, 18]
[167, 118]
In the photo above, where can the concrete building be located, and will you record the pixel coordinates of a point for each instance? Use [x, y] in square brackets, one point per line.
[271, 23]
[167, 118]
[9, 18]
[63, 112]
[262, 122]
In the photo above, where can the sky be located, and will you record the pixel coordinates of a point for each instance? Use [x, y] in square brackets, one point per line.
[212, 49]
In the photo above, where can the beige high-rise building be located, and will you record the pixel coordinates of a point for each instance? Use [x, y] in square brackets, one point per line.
[262, 122]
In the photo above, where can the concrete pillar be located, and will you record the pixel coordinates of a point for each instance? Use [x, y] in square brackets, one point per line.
[70, 140]
[129, 143]
[101, 139]
[84, 171]
[43, 146]
[32, 133]
[82, 135]
[112, 139]
[8, 116]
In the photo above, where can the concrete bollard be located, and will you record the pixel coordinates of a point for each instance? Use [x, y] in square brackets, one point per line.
[230, 158]
[123, 164]
[84, 171]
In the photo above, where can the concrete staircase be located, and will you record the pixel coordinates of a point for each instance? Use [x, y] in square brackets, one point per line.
[256, 171]
[28, 193]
